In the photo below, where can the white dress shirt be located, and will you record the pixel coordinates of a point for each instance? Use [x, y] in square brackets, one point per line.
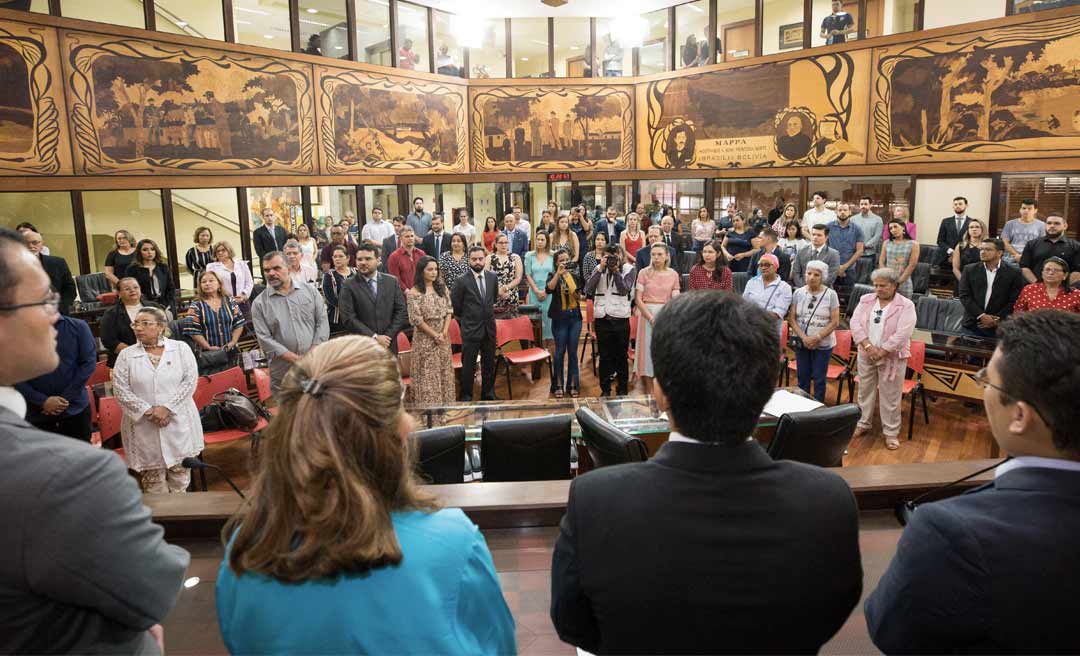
[12, 400]
[1036, 461]
[991, 274]
[874, 330]
[676, 436]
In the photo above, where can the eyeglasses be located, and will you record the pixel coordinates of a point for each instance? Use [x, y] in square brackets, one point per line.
[982, 379]
[877, 316]
[51, 304]
[142, 324]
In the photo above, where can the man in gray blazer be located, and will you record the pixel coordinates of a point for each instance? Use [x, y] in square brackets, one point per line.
[371, 303]
[85, 570]
[817, 250]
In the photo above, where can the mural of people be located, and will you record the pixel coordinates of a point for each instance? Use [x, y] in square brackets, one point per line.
[793, 139]
[680, 146]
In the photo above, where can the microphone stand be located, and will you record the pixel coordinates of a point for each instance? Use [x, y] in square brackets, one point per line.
[196, 463]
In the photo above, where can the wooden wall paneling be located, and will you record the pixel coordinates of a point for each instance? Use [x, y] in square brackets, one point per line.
[393, 33]
[361, 207]
[245, 224]
[670, 48]
[294, 26]
[431, 38]
[808, 17]
[995, 222]
[920, 14]
[509, 48]
[714, 52]
[227, 17]
[305, 207]
[54, 7]
[79, 216]
[861, 27]
[149, 15]
[350, 23]
[170, 236]
[551, 46]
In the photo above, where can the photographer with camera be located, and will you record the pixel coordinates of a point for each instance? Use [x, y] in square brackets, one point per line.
[814, 315]
[610, 286]
[564, 288]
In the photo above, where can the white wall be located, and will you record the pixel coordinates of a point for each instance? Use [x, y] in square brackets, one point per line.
[933, 202]
[777, 13]
[940, 13]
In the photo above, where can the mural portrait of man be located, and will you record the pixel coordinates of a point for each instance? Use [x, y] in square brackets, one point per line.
[793, 139]
[680, 146]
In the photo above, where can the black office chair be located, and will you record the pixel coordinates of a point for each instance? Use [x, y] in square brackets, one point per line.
[739, 280]
[863, 268]
[684, 283]
[440, 453]
[92, 285]
[818, 437]
[928, 253]
[607, 444]
[858, 290]
[950, 316]
[920, 278]
[531, 449]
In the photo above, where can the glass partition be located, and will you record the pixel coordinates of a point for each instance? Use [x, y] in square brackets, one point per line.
[593, 195]
[1027, 6]
[484, 198]
[616, 39]
[373, 32]
[198, 18]
[538, 198]
[736, 29]
[683, 196]
[50, 213]
[622, 197]
[761, 194]
[452, 198]
[413, 46]
[138, 212]
[885, 17]
[782, 26]
[262, 23]
[195, 209]
[887, 193]
[1056, 194]
[449, 51]
[384, 197]
[562, 193]
[323, 28]
[330, 204]
[529, 44]
[653, 54]
[489, 59]
[839, 27]
[692, 35]
[285, 201]
[128, 13]
[572, 52]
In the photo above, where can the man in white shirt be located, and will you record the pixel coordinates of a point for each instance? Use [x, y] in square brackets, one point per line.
[818, 214]
[994, 570]
[299, 270]
[376, 230]
[523, 224]
[464, 227]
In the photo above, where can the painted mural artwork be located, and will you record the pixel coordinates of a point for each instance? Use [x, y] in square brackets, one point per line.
[1010, 92]
[380, 122]
[529, 128]
[144, 107]
[799, 113]
[31, 138]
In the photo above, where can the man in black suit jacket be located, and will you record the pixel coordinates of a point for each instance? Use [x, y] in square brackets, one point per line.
[380, 313]
[952, 230]
[269, 237]
[437, 240]
[711, 545]
[391, 243]
[995, 570]
[644, 258]
[56, 268]
[983, 313]
[473, 297]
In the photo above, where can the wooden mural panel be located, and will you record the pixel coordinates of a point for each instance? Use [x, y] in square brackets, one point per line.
[533, 128]
[804, 112]
[146, 107]
[374, 122]
[32, 136]
[1011, 92]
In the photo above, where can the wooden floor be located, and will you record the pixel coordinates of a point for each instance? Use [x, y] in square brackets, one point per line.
[957, 431]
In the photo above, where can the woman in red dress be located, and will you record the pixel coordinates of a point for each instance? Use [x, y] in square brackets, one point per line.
[1053, 293]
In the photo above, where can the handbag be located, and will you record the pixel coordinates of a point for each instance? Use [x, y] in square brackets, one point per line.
[238, 409]
[212, 362]
[794, 342]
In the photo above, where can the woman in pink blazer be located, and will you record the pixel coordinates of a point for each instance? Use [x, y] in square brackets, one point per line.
[881, 327]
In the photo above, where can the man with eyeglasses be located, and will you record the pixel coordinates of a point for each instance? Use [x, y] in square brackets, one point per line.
[995, 570]
[87, 570]
[55, 267]
[988, 289]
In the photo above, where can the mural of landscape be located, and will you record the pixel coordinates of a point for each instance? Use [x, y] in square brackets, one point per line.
[379, 122]
[143, 107]
[31, 139]
[1005, 93]
[529, 128]
[799, 113]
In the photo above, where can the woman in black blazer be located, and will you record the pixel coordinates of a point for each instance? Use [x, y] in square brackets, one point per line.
[115, 323]
[152, 274]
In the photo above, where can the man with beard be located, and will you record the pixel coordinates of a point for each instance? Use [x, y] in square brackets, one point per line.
[473, 297]
[289, 319]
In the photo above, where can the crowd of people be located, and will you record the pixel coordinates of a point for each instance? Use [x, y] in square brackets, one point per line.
[336, 518]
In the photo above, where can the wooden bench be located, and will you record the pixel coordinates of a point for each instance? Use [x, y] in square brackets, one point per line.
[542, 503]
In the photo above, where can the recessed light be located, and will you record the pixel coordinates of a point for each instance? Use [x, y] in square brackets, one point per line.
[191, 582]
[181, 23]
[339, 47]
[312, 10]
[524, 59]
[268, 36]
[575, 48]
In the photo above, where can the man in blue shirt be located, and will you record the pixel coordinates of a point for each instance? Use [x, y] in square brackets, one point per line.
[519, 241]
[847, 239]
[58, 402]
[418, 219]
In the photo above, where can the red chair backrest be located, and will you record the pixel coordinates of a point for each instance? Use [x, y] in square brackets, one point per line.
[93, 405]
[109, 416]
[403, 344]
[783, 336]
[918, 357]
[455, 333]
[842, 349]
[633, 326]
[508, 330]
[208, 386]
[588, 312]
[262, 383]
[101, 374]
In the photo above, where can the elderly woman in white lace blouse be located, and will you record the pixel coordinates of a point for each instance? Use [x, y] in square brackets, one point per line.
[154, 381]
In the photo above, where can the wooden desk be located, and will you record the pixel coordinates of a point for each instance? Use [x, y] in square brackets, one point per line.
[542, 503]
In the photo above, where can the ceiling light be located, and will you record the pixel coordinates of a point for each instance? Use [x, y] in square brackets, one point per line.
[181, 23]
[242, 22]
[630, 30]
[253, 11]
[315, 11]
[575, 48]
[524, 59]
[339, 47]
[311, 22]
[268, 36]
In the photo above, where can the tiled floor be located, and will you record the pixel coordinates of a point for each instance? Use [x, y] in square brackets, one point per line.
[523, 560]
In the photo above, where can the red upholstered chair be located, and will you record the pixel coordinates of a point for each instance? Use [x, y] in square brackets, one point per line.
[455, 340]
[912, 386]
[784, 361]
[214, 384]
[589, 334]
[262, 388]
[519, 329]
[101, 374]
[631, 356]
[837, 372]
[109, 416]
[404, 346]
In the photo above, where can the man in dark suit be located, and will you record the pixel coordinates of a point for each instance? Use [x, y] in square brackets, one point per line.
[986, 305]
[644, 258]
[437, 241]
[55, 267]
[610, 225]
[995, 570]
[70, 509]
[391, 243]
[269, 237]
[754, 554]
[952, 230]
[371, 303]
[770, 244]
[473, 297]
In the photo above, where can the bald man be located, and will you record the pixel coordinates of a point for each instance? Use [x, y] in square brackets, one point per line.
[55, 267]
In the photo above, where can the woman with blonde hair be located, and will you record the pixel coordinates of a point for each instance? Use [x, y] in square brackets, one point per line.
[563, 238]
[234, 274]
[119, 258]
[338, 549]
[309, 246]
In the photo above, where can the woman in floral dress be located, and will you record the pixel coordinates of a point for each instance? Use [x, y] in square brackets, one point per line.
[429, 313]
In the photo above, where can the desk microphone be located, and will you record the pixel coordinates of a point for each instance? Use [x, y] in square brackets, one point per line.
[194, 463]
[905, 509]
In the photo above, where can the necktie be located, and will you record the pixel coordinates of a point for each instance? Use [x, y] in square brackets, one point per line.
[438, 243]
[959, 224]
[480, 286]
[374, 284]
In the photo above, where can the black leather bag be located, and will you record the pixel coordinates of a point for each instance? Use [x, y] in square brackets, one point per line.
[240, 411]
[213, 362]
